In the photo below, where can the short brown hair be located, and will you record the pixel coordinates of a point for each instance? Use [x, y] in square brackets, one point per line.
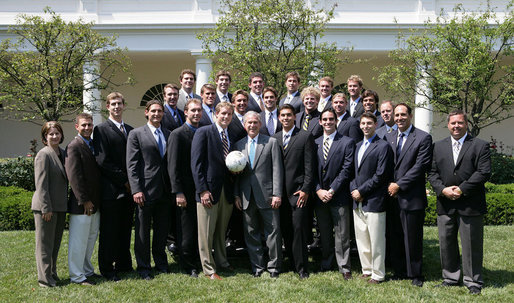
[114, 95]
[83, 116]
[192, 100]
[152, 102]
[224, 104]
[254, 75]
[170, 85]
[187, 71]
[355, 78]
[340, 95]
[240, 92]
[207, 86]
[370, 93]
[294, 74]
[223, 73]
[328, 79]
[46, 128]
[310, 90]
[457, 112]
[270, 89]
[409, 109]
[368, 115]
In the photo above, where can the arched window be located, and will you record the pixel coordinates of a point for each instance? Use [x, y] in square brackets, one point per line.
[154, 93]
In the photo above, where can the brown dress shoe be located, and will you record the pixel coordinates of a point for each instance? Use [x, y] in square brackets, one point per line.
[373, 281]
[365, 276]
[214, 276]
[347, 275]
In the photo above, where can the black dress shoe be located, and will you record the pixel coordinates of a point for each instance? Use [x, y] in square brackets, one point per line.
[227, 268]
[274, 274]
[147, 277]
[398, 277]
[193, 273]
[417, 282]
[347, 276]
[474, 290]
[113, 278]
[303, 275]
[257, 274]
[447, 284]
[94, 275]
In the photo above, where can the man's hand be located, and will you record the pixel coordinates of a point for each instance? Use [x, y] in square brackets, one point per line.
[356, 195]
[88, 208]
[237, 202]
[393, 189]
[275, 202]
[302, 198]
[181, 200]
[139, 198]
[452, 192]
[47, 216]
[206, 198]
[324, 195]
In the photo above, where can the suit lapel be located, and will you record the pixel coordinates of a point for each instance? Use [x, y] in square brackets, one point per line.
[291, 140]
[465, 146]
[116, 130]
[258, 150]
[333, 148]
[57, 160]
[410, 139]
[370, 148]
[151, 137]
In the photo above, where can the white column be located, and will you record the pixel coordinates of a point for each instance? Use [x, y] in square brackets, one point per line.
[91, 95]
[423, 114]
[203, 69]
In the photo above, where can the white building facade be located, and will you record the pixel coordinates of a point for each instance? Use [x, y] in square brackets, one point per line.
[160, 36]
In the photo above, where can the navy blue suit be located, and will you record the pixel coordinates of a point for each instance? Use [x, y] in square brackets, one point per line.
[169, 123]
[349, 127]
[264, 128]
[333, 216]
[253, 105]
[314, 127]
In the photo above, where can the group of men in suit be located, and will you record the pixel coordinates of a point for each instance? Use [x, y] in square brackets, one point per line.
[314, 151]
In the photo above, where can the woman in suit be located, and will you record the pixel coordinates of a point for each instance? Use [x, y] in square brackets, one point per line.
[49, 202]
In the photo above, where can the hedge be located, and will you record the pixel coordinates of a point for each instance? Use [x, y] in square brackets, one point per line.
[17, 172]
[15, 212]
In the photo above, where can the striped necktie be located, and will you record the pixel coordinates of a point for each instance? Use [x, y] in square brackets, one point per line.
[326, 148]
[306, 122]
[224, 141]
[286, 141]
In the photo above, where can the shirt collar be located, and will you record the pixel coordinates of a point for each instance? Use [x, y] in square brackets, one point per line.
[85, 140]
[255, 96]
[221, 95]
[191, 127]
[153, 128]
[331, 136]
[290, 133]
[405, 133]
[461, 140]
[371, 139]
[207, 108]
[342, 116]
[191, 95]
[256, 138]
[274, 112]
[394, 127]
[220, 129]
[116, 123]
[292, 95]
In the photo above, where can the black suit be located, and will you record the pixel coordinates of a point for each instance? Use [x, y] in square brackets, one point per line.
[409, 173]
[334, 216]
[264, 128]
[253, 105]
[147, 173]
[236, 129]
[205, 120]
[181, 179]
[465, 214]
[314, 128]
[359, 108]
[169, 123]
[117, 210]
[349, 127]
[299, 168]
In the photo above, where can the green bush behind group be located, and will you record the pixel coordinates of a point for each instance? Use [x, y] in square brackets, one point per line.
[17, 187]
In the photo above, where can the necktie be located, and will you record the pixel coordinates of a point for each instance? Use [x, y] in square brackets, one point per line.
[122, 130]
[286, 141]
[362, 150]
[321, 105]
[306, 122]
[399, 146]
[188, 97]
[251, 153]
[225, 98]
[270, 125]
[389, 129]
[91, 147]
[326, 148]
[288, 100]
[352, 107]
[224, 141]
[211, 115]
[456, 151]
[159, 142]
[261, 104]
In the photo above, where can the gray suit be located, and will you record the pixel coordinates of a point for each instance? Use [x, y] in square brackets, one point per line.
[295, 102]
[51, 195]
[256, 186]
[181, 103]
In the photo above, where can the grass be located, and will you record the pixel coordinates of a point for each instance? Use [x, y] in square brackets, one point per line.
[18, 280]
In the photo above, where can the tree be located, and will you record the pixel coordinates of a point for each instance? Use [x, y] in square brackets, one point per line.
[466, 59]
[273, 37]
[41, 71]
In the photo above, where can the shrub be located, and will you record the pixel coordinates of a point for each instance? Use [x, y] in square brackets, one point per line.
[502, 168]
[15, 212]
[17, 172]
[431, 212]
[499, 188]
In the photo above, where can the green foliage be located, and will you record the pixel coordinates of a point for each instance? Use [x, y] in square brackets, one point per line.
[502, 168]
[41, 70]
[500, 206]
[15, 212]
[465, 61]
[273, 37]
[17, 172]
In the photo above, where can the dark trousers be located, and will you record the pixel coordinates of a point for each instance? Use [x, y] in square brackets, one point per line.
[471, 230]
[189, 257]
[334, 220]
[174, 232]
[407, 249]
[154, 214]
[294, 225]
[116, 218]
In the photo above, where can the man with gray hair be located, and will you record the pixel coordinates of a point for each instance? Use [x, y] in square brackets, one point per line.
[258, 191]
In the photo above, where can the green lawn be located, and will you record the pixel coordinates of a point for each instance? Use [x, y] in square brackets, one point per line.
[18, 281]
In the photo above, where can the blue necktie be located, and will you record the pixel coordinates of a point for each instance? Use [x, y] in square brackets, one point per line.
[399, 146]
[252, 152]
[271, 126]
[159, 142]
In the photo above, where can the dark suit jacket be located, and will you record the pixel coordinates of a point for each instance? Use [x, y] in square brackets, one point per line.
[236, 130]
[208, 164]
[337, 172]
[179, 161]
[410, 168]
[296, 102]
[328, 104]
[253, 104]
[299, 163]
[314, 127]
[110, 151]
[264, 129]
[51, 193]
[218, 100]
[205, 120]
[147, 171]
[169, 123]
[380, 120]
[373, 175]
[349, 127]
[84, 176]
[359, 108]
[472, 170]
[265, 179]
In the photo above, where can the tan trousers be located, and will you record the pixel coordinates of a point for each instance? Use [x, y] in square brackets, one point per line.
[48, 242]
[212, 227]
[370, 238]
